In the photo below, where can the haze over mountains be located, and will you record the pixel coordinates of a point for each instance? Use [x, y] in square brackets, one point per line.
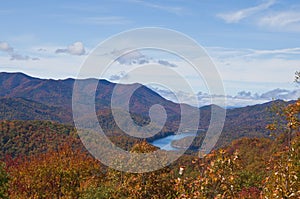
[26, 98]
[241, 99]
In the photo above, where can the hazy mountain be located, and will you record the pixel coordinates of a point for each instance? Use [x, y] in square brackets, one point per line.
[59, 92]
[56, 98]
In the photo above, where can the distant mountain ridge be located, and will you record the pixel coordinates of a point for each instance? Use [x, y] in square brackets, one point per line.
[26, 98]
[59, 92]
[57, 96]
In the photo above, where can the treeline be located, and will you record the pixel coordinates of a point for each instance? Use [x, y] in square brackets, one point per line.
[23, 138]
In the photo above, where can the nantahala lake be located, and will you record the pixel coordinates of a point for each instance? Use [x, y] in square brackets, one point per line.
[165, 143]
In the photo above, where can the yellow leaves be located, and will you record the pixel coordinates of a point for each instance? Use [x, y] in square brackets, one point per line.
[283, 181]
[216, 179]
[292, 112]
[271, 127]
[143, 147]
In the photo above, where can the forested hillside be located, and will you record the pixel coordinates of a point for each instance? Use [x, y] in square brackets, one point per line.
[53, 164]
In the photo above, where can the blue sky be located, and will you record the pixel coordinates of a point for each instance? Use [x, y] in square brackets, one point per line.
[254, 44]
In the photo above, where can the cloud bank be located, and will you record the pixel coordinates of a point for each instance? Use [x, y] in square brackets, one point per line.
[243, 98]
[5, 47]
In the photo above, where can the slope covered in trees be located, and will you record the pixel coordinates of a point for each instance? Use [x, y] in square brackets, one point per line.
[247, 168]
[234, 172]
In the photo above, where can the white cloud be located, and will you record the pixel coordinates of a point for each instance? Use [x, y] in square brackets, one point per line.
[4, 46]
[76, 48]
[282, 20]
[236, 16]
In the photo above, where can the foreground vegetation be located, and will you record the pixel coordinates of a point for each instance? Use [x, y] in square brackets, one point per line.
[55, 165]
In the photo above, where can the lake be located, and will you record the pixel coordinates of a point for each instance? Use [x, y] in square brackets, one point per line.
[165, 143]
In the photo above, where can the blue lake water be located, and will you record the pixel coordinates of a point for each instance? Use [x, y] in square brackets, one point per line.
[165, 143]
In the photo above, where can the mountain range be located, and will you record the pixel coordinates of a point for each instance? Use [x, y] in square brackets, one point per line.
[27, 98]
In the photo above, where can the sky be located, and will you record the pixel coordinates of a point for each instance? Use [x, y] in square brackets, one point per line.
[255, 45]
